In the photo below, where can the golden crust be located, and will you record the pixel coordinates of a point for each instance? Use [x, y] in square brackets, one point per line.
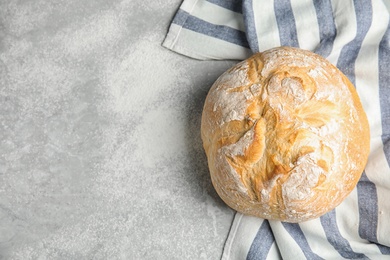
[285, 135]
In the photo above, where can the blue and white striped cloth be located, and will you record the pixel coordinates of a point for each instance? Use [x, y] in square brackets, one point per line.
[355, 36]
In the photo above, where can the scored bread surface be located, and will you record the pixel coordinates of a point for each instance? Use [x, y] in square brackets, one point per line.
[285, 135]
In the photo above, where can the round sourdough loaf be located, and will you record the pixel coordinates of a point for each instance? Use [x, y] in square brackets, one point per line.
[285, 135]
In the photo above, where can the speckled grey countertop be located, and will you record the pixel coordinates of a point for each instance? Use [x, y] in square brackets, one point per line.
[100, 154]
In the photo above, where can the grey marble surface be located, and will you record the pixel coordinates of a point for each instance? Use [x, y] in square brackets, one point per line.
[100, 154]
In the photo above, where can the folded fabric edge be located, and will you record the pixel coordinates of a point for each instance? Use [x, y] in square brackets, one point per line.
[196, 38]
[169, 43]
[186, 42]
[231, 237]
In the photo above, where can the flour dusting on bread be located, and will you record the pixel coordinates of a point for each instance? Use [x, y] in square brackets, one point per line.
[285, 135]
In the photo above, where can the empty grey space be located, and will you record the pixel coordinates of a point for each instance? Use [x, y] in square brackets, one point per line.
[100, 154]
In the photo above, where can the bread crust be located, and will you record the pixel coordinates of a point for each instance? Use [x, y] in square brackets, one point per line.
[285, 135]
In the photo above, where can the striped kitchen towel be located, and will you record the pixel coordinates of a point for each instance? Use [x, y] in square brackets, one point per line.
[355, 36]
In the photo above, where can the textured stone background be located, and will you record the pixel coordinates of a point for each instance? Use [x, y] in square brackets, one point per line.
[100, 154]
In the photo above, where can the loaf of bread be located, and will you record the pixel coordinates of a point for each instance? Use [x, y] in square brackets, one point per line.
[285, 135]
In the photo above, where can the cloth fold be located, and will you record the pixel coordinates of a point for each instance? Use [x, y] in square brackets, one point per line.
[354, 35]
